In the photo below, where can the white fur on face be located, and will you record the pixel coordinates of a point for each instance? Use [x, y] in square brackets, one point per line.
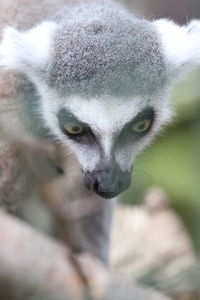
[106, 117]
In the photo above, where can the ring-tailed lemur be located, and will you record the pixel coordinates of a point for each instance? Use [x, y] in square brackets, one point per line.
[97, 79]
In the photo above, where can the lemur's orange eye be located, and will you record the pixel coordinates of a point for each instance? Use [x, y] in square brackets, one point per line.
[73, 128]
[141, 126]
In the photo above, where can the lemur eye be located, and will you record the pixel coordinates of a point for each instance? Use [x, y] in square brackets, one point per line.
[141, 126]
[73, 128]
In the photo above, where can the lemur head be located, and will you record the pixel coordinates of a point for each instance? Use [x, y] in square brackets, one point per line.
[103, 76]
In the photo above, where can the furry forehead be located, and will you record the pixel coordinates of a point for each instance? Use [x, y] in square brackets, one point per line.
[105, 49]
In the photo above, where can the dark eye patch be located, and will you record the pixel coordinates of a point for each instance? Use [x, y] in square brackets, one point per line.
[86, 136]
[128, 134]
[146, 114]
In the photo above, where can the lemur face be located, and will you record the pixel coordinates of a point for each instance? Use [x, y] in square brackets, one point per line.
[103, 76]
[106, 134]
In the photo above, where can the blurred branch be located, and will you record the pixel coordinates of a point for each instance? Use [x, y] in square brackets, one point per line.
[33, 266]
[168, 262]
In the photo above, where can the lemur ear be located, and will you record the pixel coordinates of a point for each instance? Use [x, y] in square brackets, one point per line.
[181, 45]
[27, 50]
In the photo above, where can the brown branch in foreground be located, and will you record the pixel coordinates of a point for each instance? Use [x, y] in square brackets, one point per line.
[33, 266]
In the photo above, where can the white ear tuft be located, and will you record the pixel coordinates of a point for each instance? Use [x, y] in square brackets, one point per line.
[181, 45]
[26, 50]
[9, 49]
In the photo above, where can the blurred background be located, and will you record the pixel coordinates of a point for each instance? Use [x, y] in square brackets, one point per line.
[173, 161]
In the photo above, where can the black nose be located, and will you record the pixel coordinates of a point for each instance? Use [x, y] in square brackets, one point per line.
[107, 183]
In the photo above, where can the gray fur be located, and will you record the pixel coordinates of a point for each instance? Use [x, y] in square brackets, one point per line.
[103, 49]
